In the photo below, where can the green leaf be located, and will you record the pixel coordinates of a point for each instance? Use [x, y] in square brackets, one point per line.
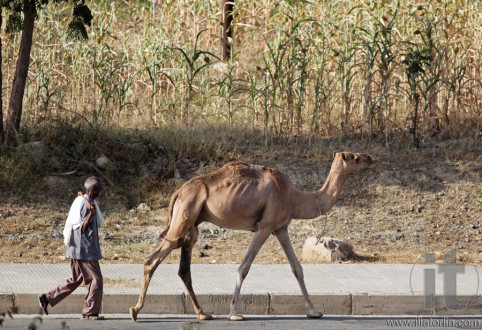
[82, 12]
[188, 60]
[76, 30]
[14, 23]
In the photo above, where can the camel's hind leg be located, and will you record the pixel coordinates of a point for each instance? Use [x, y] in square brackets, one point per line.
[185, 272]
[185, 211]
[284, 239]
[150, 265]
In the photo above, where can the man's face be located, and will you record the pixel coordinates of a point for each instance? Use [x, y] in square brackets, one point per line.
[96, 192]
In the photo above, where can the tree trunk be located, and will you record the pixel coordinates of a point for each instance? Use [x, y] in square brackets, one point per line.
[12, 124]
[416, 142]
[1, 80]
[228, 7]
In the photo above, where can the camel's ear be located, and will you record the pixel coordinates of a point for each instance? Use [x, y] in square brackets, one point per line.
[341, 153]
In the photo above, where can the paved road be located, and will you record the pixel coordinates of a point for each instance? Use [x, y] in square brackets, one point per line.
[183, 322]
[335, 289]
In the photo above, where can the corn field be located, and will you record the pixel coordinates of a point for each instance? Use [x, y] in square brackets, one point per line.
[298, 70]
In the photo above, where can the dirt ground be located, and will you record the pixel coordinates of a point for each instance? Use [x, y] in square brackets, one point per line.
[411, 201]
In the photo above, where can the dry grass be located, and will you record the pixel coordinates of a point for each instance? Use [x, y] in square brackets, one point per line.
[374, 212]
[299, 69]
[139, 91]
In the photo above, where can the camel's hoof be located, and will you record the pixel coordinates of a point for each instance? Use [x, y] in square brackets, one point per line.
[236, 317]
[133, 313]
[204, 317]
[314, 315]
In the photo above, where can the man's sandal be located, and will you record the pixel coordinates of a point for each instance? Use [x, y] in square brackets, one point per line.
[44, 303]
[93, 317]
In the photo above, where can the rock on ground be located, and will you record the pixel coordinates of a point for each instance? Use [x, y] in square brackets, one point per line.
[326, 249]
[103, 162]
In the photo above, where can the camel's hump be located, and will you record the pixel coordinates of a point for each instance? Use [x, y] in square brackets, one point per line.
[245, 170]
[243, 165]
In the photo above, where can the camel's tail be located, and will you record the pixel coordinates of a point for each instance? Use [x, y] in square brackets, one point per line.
[169, 216]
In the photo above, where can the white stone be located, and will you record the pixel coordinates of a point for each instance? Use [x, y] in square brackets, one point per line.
[325, 249]
[102, 162]
[143, 207]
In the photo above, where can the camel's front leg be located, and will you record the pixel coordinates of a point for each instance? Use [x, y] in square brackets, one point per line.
[149, 267]
[284, 239]
[259, 239]
[185, 272]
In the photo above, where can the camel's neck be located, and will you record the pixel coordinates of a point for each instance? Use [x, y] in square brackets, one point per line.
[309, 206]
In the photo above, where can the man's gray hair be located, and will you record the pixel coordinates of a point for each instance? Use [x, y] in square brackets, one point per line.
[92, 182]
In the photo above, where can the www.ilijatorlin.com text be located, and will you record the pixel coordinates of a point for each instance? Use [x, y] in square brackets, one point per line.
[445, 322]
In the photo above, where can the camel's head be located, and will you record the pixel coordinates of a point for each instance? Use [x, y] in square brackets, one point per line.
[352, 162]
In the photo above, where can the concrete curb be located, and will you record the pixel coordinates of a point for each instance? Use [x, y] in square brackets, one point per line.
[259, 304]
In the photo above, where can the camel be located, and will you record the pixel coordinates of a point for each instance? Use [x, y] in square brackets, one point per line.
[245, 197]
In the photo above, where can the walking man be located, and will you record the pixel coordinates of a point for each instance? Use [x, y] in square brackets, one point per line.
[82, 240]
